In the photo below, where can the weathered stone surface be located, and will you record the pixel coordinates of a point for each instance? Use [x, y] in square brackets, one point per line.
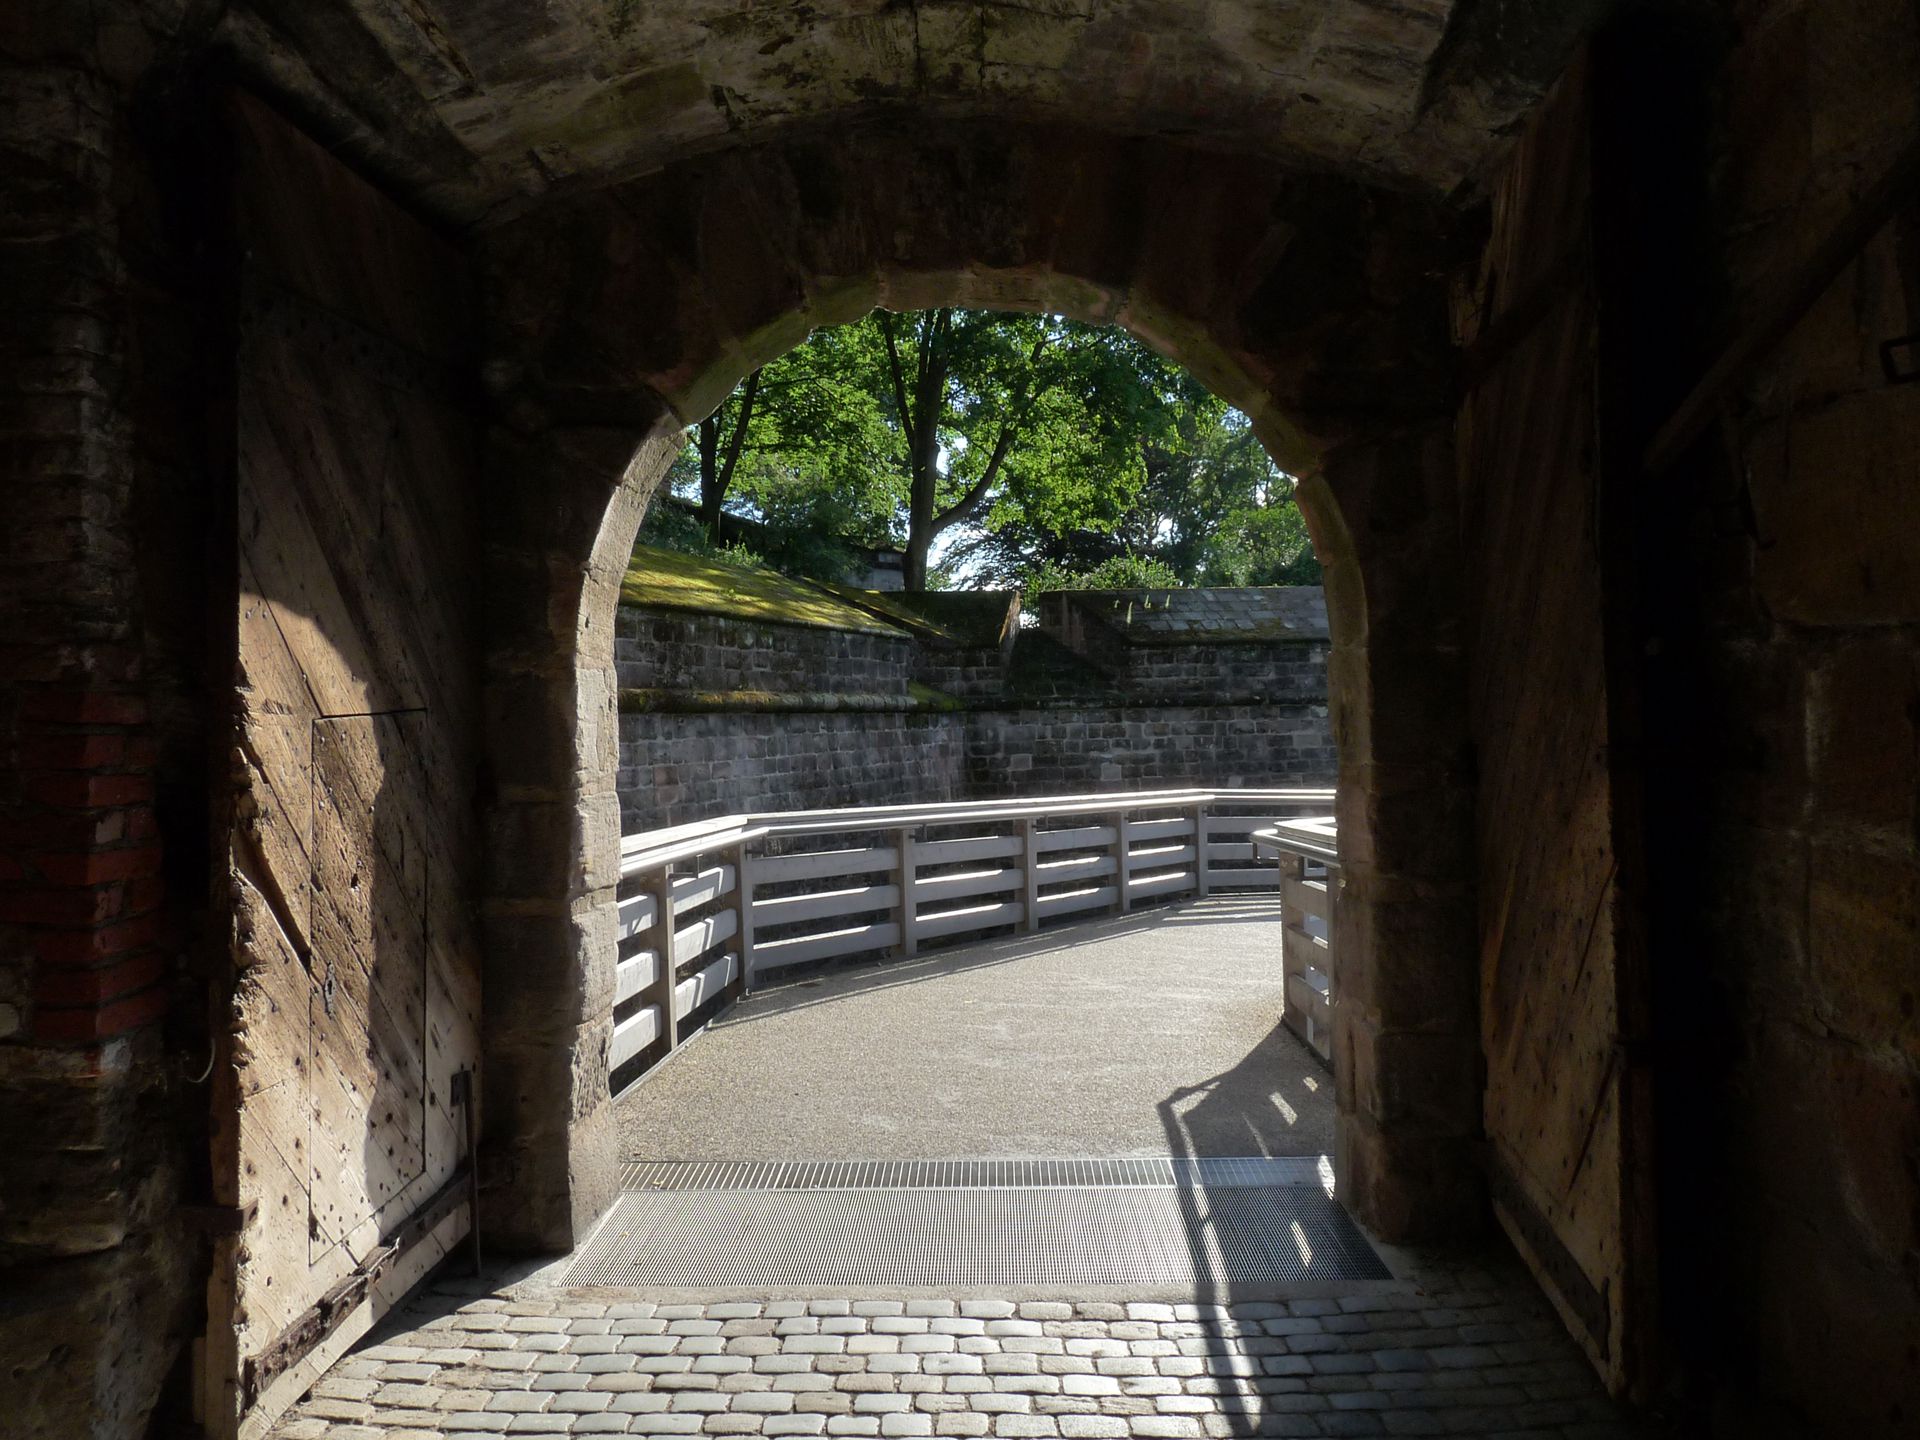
[479, 111]
[744, 715]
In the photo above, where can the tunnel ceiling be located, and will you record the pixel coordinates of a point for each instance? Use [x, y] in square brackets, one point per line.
[480, 106]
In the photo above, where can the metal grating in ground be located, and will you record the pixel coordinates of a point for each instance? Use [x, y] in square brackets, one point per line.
[1204, 1224]
[1159, 1170]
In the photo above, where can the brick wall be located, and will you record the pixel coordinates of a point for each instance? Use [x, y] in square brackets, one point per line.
[101, 639]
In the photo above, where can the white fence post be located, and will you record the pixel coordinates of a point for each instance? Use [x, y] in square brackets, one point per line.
[1200, 850]
[904, 876]
[1030, 876]
[743, 907]
[660, 941]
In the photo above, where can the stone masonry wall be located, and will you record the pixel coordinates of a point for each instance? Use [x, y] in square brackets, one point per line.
[682, 650]
[965, 672]
[678, 768]
[1806, 658]
[1060, 751]
[1270, 672]
[782, 717]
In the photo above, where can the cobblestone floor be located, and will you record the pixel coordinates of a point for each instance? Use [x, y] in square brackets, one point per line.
[1446, 1350]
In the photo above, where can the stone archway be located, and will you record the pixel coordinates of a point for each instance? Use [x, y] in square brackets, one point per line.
[1311, 303]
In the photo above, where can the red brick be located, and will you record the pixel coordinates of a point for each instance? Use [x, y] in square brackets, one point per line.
[142, 824]
[72, 752]
[144, 895]
[92, 945]
[97, 867]
[59, 988]
[90, 1023]
[64, 830]
[76, 907]
[88, 792]
[85, 707]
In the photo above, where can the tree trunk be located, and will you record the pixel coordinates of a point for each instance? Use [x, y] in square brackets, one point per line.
[711, 492]
[716, 471]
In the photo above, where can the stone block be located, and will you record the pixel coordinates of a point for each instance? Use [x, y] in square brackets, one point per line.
[1412, 1083]
[1863, 937]
[1409, 1189]
[1863, 734]
[1757, 765]
[535, 849]
[1840, 487]
[1409, 964]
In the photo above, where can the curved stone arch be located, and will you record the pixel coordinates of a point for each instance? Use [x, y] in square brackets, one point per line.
[622, 315]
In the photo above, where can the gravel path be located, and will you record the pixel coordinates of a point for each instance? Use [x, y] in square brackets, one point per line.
[1148, 1034]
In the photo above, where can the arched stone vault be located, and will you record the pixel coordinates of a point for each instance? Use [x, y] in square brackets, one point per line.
[485, 108]
[1312, 303]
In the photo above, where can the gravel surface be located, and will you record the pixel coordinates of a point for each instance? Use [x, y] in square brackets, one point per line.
[1148, 1034]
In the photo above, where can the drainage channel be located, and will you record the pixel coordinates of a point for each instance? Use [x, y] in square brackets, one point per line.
[1239, 1223]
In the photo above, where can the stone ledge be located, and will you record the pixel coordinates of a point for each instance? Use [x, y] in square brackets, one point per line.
[736, 702]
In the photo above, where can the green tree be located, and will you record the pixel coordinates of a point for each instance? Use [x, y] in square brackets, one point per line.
[1001, 419]
[1029, 441]
[804, 427]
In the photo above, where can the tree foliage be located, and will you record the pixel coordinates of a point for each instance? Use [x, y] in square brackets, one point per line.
[1037, 447]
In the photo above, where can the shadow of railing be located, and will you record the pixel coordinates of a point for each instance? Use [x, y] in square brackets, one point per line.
[1231, 1113]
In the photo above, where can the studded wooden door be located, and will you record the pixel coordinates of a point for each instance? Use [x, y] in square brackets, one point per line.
[1567, 1101]
[341, 1144]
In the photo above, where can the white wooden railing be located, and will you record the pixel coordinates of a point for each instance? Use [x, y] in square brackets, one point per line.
[1308, 850]
[707, 910]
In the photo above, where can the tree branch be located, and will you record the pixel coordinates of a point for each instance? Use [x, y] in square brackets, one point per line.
[976, 492]
[739, 436]
[899, 379]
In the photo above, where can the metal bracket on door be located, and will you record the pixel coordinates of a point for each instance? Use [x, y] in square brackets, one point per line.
[1899, 370]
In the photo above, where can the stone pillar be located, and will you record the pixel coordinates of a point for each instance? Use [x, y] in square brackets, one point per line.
[563, 510]
[1406, 1018]
[91, 1259]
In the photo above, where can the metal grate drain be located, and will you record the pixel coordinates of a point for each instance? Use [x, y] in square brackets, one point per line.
[973, 1174]
[1259, 1223]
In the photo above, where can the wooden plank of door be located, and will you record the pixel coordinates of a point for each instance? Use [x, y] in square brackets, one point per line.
[1551, 925]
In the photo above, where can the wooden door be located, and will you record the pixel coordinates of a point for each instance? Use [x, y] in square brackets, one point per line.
[1567, 1102]
[341, 1145]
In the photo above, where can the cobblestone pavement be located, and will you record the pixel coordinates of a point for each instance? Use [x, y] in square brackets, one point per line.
[1458, 1350]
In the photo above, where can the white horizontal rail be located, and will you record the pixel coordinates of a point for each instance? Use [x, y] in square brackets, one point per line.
[957, 884]
[855, 900]
[1076, 867]
[749, 895]
[1084, 837]
[1068, 902]
[634, 976]
[696, 990]
[690, 942]
[692, 891]
[828, 945]
[633, 1035]
[825, 865]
